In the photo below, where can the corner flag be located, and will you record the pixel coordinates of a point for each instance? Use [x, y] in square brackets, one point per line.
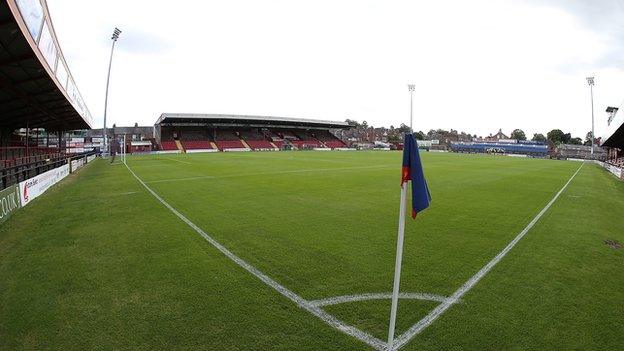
[412, 170]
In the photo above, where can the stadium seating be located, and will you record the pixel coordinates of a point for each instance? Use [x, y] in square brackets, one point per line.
[334, 144]
[226, 135]
[329, 139]
[196, 144]
[259, 144]
[194, 135]
[580, 152]
[302, 144]
[538, 150]
[168, 145]
[278, 143]
[229, 144]
[249, 138]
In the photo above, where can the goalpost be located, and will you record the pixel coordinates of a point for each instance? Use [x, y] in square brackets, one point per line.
[118, 149]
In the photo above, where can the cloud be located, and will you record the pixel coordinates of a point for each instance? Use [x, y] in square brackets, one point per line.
[137, 41]
[478, 65]
[603, 17]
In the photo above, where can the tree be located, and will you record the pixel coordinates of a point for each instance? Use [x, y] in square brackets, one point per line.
[394, 139]
[588, 139]
[556, 136]
[538, 137]
[419, 135]
[352, 123]
[403, 129]
[576, 141]
[518, 134]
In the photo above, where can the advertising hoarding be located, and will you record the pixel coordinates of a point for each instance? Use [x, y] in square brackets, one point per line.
[33, 187]
[77, 164]
[9, 202]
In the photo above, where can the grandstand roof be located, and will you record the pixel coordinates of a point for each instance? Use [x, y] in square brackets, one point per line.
[614, 135]
[36, 86]
[247, 120]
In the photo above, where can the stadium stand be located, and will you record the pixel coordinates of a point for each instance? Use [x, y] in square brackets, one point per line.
[256, 139]
[241, 132]
[613, 139]
[534, 149]
[329, 139]
[196, 144]
[565, 151]
[227, 139]
[618, 162]
[40, 100]
[169, 145]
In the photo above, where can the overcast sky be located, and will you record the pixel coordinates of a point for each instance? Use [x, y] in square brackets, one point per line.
[477, 65]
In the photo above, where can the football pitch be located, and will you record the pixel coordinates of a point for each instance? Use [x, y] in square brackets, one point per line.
[295, 251]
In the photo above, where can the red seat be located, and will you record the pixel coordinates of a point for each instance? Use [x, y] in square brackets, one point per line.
[335, 144]
[229, 144]
[196, 145]
[309, 143]
[169, 145]
[259, 144]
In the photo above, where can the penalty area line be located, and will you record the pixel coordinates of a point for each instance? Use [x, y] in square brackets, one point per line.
[438, 311]
[270, 173]
[173, 159]
[336, 300]
[298, 300]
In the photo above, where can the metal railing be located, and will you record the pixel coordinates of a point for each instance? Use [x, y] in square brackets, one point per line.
[36, 165]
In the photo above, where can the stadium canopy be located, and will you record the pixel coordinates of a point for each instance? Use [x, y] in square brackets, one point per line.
[614, 135]
[37, 89]
[245, 120]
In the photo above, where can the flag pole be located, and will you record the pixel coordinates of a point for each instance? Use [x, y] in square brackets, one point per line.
[397, 266]
[400, 235]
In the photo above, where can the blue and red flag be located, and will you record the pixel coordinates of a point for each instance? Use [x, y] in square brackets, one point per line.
[413, 171]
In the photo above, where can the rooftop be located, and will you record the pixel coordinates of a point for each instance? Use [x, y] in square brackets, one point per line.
[246, 119]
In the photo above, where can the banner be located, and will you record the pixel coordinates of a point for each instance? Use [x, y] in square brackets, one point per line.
[32, 13]
[9, 202]
[77, 164]
[47, 47]
[616, 171]
[33, 187]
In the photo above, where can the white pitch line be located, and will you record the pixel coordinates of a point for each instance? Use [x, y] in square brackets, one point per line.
[268, 173]
[376, 296]
[438, 311]
[298, 300]
[173, 159]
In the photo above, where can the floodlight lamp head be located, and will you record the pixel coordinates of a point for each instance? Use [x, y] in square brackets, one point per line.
[411, 87]
[116, 33]
[590, 80]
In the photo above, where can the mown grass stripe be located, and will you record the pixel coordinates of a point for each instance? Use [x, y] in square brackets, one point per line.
[438, 311]
[298, 300]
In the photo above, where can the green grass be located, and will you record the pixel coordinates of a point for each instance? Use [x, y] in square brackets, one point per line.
[99, 263]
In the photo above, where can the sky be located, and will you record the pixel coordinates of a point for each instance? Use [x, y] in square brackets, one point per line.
[477, 65]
